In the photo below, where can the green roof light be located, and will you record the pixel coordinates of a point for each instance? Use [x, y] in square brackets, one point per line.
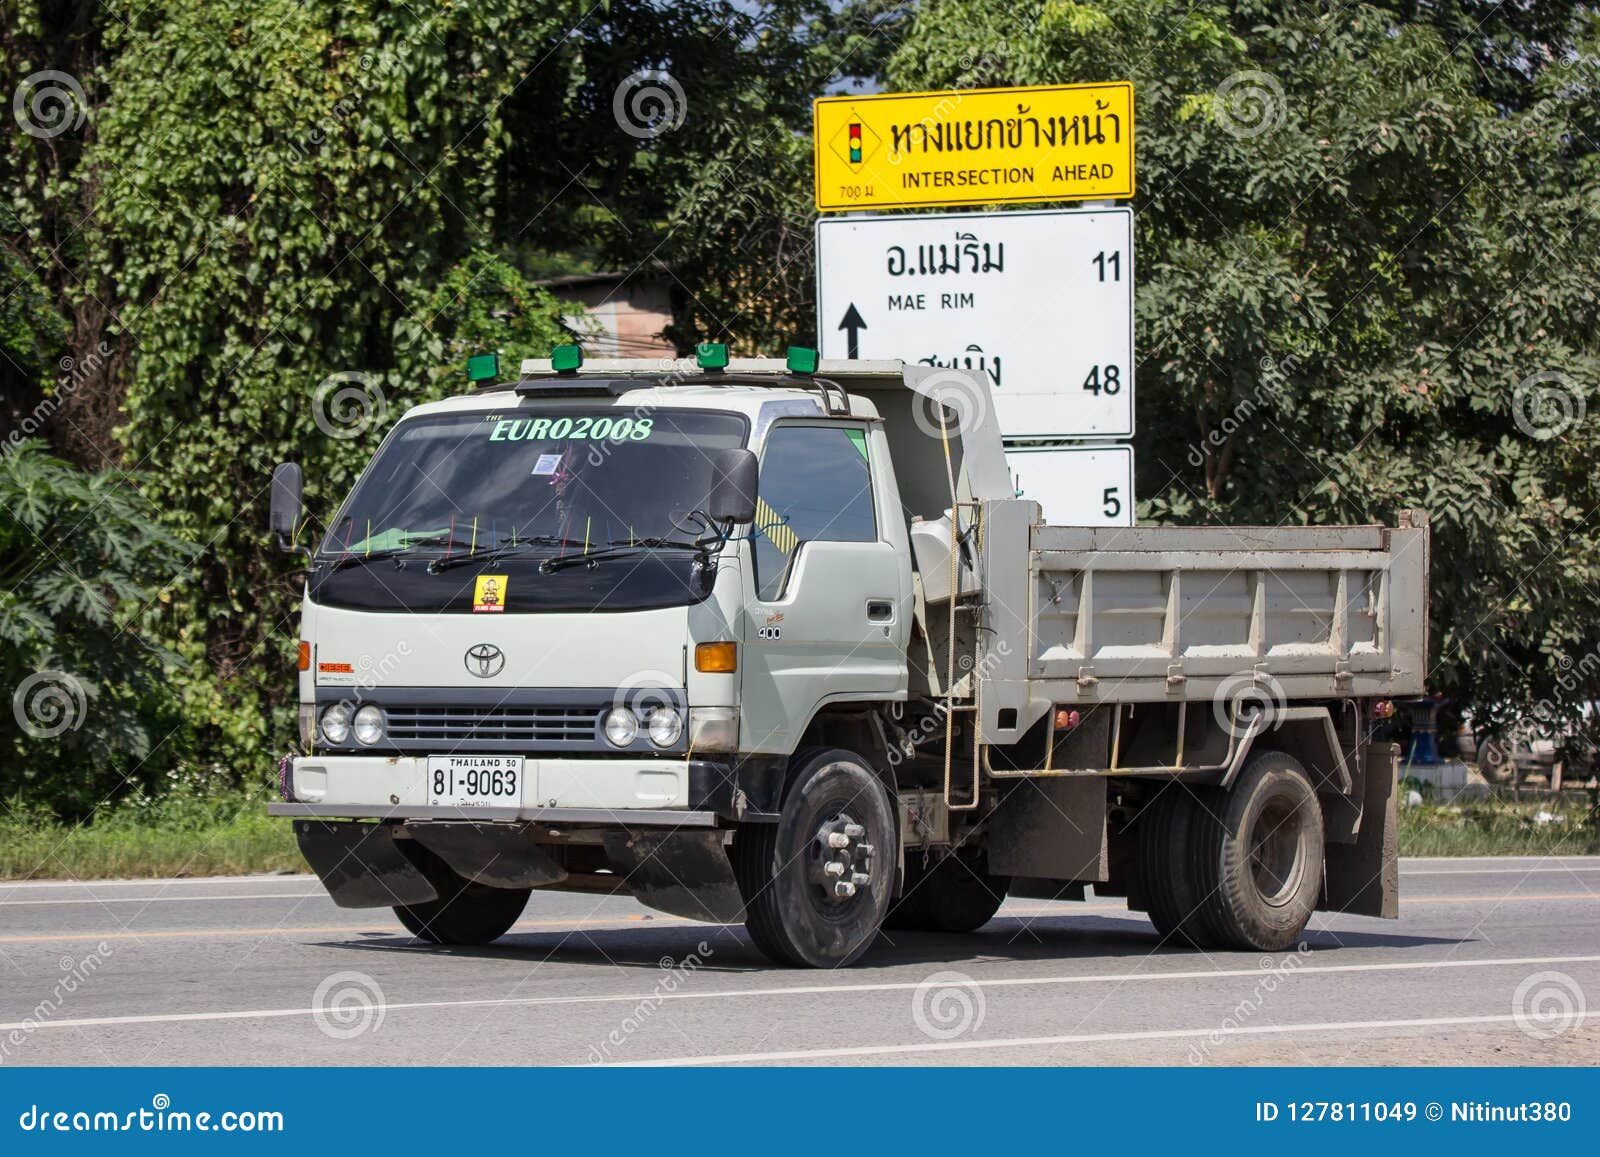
[711, 355]
[566, 359]
[802, 360]
[483, 368]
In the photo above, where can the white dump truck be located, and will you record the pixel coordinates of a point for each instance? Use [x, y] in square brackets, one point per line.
[777, 643]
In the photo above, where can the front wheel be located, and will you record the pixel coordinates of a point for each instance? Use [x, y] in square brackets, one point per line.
[1258, 856]
[817, 883]
[465, 912]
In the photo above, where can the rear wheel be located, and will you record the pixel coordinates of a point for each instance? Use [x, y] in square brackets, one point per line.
[465, 912]
[1258, 856]
[817, 883]
[955, 894]
[1166, 872]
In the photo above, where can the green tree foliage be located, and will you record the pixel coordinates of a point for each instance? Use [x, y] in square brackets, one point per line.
[287, 221]
[1364, 234]
[80, 554]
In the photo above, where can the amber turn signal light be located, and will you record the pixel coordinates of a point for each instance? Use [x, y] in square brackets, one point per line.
[716, 658]
[305, 655]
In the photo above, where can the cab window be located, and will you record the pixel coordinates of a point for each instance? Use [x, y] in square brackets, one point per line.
[816, 486]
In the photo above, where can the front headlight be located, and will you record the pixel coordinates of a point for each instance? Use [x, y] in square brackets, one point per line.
[336, 724]
[666, 726]
[621, 727]
[368, 725]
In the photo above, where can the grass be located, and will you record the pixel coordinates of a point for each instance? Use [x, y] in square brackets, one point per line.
[189, 832]
[183, 833]
[1500, 828]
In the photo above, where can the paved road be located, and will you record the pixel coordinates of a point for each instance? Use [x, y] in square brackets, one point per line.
[1492, 961]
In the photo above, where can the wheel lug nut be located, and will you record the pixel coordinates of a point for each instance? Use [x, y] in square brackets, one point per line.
[864, 849]
[833, 868]
[860, 879]
[838, 840]
[844, 888]
[854, 831]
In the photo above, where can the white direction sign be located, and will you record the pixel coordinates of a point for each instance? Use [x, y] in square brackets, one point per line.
[1041, 300]
[1078, 485]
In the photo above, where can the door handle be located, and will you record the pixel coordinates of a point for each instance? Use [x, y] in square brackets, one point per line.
[880, 611]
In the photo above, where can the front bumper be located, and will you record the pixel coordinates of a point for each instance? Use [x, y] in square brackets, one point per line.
[631, 791]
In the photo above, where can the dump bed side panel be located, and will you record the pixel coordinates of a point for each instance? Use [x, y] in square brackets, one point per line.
[1158, 614]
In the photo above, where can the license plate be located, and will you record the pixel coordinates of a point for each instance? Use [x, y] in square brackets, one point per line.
[474, 780]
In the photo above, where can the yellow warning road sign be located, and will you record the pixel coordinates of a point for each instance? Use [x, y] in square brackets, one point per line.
[1066, 142]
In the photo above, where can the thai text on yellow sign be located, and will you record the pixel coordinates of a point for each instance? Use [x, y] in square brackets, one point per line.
[1069, 142]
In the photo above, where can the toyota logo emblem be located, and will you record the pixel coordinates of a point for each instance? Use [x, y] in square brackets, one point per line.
[485, 660]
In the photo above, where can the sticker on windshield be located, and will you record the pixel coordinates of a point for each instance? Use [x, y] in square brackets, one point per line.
[547, 464]
[584, 427]
[489, 593]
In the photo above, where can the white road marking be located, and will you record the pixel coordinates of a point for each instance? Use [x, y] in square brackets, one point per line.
[167, 899]
[1490, 871]
[159, 881]
[805, 990]
[1083, 1038]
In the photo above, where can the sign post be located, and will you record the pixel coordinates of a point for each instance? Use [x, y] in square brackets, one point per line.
[1041, 300]
[1067, 142]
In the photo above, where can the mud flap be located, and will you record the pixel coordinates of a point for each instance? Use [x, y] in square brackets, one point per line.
[360, 864]
[498, 855]
[679, 872]
[1363, 878]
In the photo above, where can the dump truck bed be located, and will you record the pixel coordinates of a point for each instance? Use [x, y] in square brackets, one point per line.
[1153, 614]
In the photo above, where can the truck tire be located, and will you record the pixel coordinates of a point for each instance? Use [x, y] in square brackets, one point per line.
[1166, 871]
[1258, 856]
[465, 912]
[836, 827]
[955, 894]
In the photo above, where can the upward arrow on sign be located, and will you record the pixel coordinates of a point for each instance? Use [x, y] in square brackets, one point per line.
[852, 326]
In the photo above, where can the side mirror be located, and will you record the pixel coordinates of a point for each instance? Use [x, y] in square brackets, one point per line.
[733, 486]
[286, 503]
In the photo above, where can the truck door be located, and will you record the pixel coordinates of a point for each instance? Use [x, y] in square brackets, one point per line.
[826, 615]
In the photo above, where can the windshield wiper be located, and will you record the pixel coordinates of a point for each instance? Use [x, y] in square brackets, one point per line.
[521, 546]
[366, 557]
[618, 548]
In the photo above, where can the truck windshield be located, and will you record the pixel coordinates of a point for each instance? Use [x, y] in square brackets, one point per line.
[456, 483]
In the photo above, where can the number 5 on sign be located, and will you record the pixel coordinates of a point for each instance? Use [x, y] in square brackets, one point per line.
[1076, 485]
